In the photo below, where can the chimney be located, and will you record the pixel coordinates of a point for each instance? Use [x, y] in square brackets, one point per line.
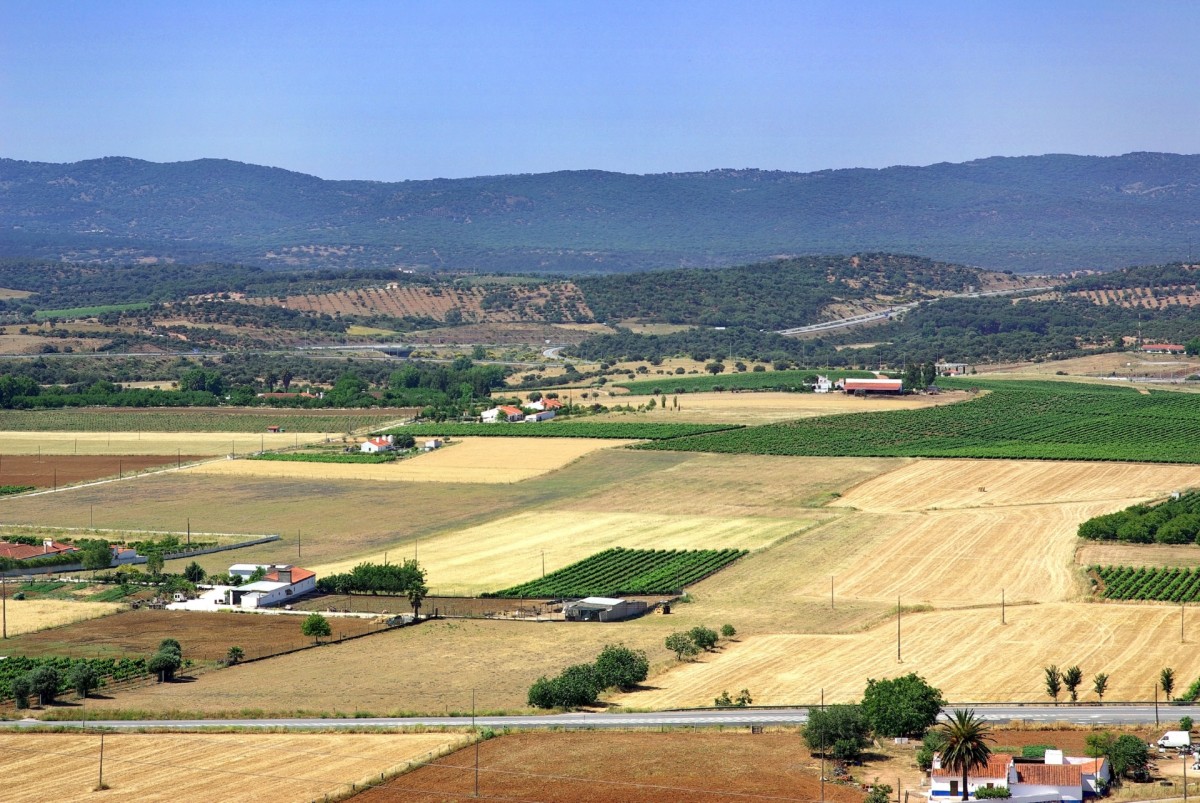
[47, 545]
[285, 575]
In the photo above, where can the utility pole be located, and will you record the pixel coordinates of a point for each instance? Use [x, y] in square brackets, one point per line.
[1156, 705]
[822, 751]
[297, 542]
[476, 731]
[91, 526]
[100, 783]
[189, 530]
[543, 564]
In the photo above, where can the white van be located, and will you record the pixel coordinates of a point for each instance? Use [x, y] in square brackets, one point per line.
[1175, 739]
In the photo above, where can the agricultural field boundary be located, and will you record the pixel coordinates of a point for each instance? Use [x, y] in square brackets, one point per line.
[566, 429]
[78, 567]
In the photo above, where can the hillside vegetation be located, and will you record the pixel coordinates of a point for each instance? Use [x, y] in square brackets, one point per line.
[1029, 213]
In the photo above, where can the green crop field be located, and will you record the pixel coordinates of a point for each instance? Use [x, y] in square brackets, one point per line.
[1032, 420]
[746, 380]
[190, 419]
[628, 571]
[87, 312]
[564, 429]
[1162, 584]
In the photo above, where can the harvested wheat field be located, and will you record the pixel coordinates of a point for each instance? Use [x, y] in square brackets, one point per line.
[769, 406]
[473, 460]
[968, 654]
[54, 471]
[32, 615]
[941, 484]
[147, 443]
[507, 551]
[1117, 553]
[182, 767]
[598, 767]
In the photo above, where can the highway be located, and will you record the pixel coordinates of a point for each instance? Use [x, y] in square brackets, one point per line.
[1113, 714]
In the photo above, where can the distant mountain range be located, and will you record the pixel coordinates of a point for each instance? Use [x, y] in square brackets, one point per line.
[1026, 214]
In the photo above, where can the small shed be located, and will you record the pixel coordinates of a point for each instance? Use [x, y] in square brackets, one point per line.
[273, 428]
[433, 443]
[603, 609]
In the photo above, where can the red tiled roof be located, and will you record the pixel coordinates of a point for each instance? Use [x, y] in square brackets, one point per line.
[997, 767]
[298, 574]
[27, 551]
[1091, 767]
[1163, 347]
[510, 410]
[378, 441]
[551, 403]
[1050, 774]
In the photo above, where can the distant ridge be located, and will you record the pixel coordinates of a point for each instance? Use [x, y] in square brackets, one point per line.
[1049, 213]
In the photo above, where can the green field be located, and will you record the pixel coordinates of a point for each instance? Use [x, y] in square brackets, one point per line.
[564, 429]
[746, 380]
[1161, 584]
[190, 419]
[1018, 420]
[87, 312]
[628, 571]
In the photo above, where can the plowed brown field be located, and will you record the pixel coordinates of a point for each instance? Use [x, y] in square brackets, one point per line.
[598, 767]
[58, 470]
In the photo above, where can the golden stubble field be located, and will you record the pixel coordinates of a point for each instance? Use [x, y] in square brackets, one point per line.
[762, 408]
[30, 615]
[183, 767]
[475, 460]
[153, 443]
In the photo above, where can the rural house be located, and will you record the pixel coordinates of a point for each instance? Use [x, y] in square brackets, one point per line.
[545, 404]
[823, 385]
[504, 412]
[602, 609]
[541, 415]
[1057, 779]
[1163, 348]
[871, 385]
[381, 444]
[47, 548]
[282, 583]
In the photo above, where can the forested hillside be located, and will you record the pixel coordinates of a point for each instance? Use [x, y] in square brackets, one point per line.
[1038, 213]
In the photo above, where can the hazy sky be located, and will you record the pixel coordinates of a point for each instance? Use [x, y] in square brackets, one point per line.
[394, 90]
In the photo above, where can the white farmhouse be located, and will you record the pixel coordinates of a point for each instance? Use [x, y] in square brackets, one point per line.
[1057, 779]
[282, 584]
[381, 444]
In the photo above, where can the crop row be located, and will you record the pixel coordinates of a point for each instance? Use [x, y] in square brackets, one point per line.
[628, 571]
[565, 429]
[114, 669]
[1150, 583]
[1054, 421]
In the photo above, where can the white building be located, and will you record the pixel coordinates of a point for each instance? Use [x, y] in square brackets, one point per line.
[542, 415]
[281, 584]
[504, 412]
[1057, 779]
[824, 385]
[381, 444]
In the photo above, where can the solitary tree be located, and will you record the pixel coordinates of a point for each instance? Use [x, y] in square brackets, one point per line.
[728, 631]
[316, 625]
[966, 744]
[682, 645]
[836, 724]
[235, 655]
[154, 563]
[1053, 682]
[194, 572]
[715, 368]
[1166, 679]
[83, 677]
[1100, 685]
[903, 706]
[1071, 679]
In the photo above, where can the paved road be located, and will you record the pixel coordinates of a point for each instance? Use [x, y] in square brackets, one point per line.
[1084, 715]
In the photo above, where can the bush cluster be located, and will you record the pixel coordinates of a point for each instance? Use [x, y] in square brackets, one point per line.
[617, 666]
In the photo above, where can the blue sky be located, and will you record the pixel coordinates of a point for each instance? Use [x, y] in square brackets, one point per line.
[409, 90]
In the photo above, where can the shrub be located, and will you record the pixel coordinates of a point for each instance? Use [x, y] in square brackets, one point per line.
[704, 638]
[880, 793]
[832, 724]
[620, 667]
[728, 631]
[1037, 751]
[1185, 724]
[993, 793]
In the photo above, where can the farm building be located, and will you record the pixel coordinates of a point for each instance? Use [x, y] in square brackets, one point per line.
[432, 443]
[1163, 348]
[504, 412]
[283, 583]
[541, 415]
[1057, 779]
[823, 385]
[375, 445]
[47, 548]
[952, 368]
[871, 385]
[545, 404]
[602, 609]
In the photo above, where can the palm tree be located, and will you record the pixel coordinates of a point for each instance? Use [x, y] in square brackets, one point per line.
[966, 748]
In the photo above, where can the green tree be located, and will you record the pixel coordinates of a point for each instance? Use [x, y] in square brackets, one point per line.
[966, 744]
[728, 631]
[903, 706]
[932, 743]
[1100, 685]
[744, 699]
[83, 677]
[880, 793]
[703, 637]
[316, 626]
[836, 723]
[724, 701]
[164, 664]
[1053, 682]
[22, 689]
[1129, 756]
[1099, 744]
[1071, 678]
[576, 686]
[682, 645]
[44, 682]
[541, 693]
[235, 655]
[154, 563]
[1192, 346]
[194, 572]
[619, 667]
[414, 584]
[1166, 679]
[95, 554]
[715, 368]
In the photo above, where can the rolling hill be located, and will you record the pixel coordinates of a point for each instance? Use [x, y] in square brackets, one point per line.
[1027, 214]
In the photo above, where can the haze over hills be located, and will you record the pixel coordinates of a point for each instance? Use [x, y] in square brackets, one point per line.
[1026, 214]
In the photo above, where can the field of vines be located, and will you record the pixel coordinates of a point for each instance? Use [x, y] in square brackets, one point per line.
[1030, 420]
[745, 380]
[563, 429]
[1153, 583]
[113, 669]
[628, 571]
[327, 457]
[189, 419]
